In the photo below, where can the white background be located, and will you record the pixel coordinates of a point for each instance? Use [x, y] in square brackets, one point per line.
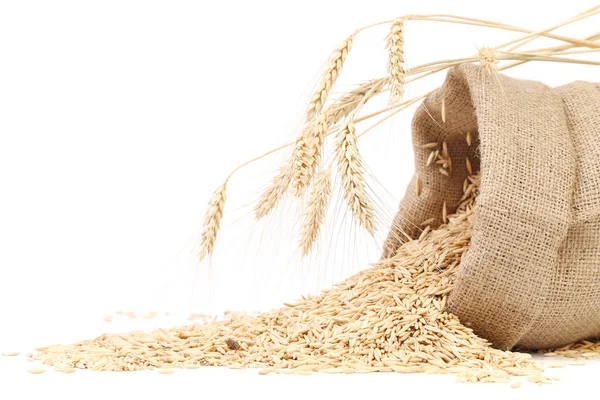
[119, 118]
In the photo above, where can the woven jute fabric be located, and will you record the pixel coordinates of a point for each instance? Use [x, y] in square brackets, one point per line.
[531, 277]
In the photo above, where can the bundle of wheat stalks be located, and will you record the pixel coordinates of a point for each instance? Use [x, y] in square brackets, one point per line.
[305, 175]
[389, 318]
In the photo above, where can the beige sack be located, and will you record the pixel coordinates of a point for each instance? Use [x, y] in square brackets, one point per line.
[531, 277]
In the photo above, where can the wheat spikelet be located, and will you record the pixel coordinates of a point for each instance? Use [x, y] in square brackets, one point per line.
[396, 66]
[351, 170]
[346, 104]
[336, 62]
[274, 193]
[301, 160]
[316, 139]
[212, 221]
[315, 212]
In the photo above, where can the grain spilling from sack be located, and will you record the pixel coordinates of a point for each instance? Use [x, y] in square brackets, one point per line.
[389, 318]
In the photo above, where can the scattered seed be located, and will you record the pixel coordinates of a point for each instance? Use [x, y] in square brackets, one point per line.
[425, 232]
[516, 385]
[267, 371]
[427, 222]
[301, 372]
[443, 111]
[444, 172]
[11, 354]
[431, 157]
[354, 327]
[36, 370]
[166, 371]
[418, 185]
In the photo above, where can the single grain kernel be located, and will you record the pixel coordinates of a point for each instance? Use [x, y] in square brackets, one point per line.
[36, 371]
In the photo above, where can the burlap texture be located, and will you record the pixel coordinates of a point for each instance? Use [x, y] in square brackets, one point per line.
[531, 277]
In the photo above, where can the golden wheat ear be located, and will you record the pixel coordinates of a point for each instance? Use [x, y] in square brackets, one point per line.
[396, 64]
[212, 221]
[315, 211]
[336, 62]
[274, 193]
[350, 167]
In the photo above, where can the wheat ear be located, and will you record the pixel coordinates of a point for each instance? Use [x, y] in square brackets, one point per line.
[316, 210]
[212, 221]
[274, 193]
[336, 62]
[350, 167]
[396, 64]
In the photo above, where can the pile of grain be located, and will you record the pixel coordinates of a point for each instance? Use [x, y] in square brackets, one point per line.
[389, 318]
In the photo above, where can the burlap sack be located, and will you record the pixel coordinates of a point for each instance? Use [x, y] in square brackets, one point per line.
[531, 277]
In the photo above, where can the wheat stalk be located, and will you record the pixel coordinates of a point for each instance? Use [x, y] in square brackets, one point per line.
[274, 193]
[396, 65]
[212, 221]
[315, 211]
[336, 62]
[351, 170]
